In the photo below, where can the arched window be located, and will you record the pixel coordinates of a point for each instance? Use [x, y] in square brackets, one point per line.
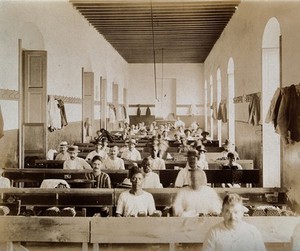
[219, 87]
[205, 106]
[211, 103]
[230, 95]
[270, 82]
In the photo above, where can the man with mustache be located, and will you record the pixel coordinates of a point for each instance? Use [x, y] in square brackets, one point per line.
[233, 234]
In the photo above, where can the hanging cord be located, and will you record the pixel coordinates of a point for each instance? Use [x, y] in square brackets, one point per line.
[162, 74]
[154, 60]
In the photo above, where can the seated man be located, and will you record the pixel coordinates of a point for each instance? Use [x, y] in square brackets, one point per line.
[188, 134]
[151, 179]
[113, 162]
[75, 162]
[231, 165]
[135, 202]
[98, 150]
[101, 179]
[131, 153]
[179, 123]
[156, 163]
[228, 147]
[205, 138]
[63, 151]
[233, 233]
[231, 162]
[202, 163]
[198, 198]
[184, 147]
[4, 182]
[184, 176]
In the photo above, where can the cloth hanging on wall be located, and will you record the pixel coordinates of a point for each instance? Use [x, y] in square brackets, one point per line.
[112, 113]
[63, 115]
[284, 113]
[254, 110]
[274, 108]
[125, 112]
[148, 111]
[214, 108]
[138, 112]
[1, 124]
[54, 119]
[222, 111]
[294, 114]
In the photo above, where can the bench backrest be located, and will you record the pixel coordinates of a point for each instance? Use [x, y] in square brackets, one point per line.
[44, 229]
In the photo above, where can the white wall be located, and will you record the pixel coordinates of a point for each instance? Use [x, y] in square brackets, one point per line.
[242, 40]
[189, 83]
[71, 43]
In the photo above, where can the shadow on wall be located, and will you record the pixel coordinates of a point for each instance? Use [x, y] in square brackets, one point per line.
[248, 142]
[9, 149]
[71, 133]
[291, 174]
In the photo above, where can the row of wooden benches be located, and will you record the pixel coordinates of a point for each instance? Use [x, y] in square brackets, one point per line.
[170, 164]
[167, 176]
[163, 197]
[278, 232]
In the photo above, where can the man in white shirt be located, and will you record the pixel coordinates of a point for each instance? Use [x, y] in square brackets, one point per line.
[184, 176]
[131, 153]
[63, 151]
[202, 163]
[198, 198]
[75, 162]
[179, 123]
[135, 201]
[151, 179]
[233, 234]
[155, 162]
[98, 151]
[113, 162]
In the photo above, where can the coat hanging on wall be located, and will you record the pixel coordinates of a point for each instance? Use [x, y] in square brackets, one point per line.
[148, 111]
[284, 113]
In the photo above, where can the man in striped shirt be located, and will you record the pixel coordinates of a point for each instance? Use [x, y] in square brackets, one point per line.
[102, 179]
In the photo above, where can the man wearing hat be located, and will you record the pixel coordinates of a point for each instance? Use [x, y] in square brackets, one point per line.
[131, 153]
[228, 147]
[205, 138]
[184, 176]
[101, 150]
[188, 135]
[75, 162]
[202, 163]
[63, 151]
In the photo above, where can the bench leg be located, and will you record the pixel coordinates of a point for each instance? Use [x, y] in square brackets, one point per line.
[85, 246]
[19, 247]
[9, 246]
[172, 246]
[95, 247]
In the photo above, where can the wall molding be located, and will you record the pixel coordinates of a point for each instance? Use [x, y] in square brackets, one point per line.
[6, 94]
[142, 105]
[188, 106]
